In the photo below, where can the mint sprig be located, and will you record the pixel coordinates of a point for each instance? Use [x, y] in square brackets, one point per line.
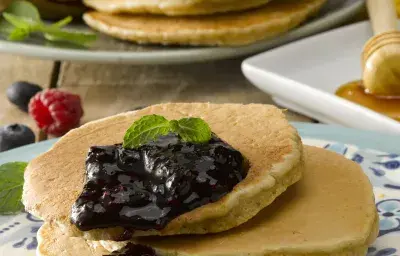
[11, 183]
[193, 130]
[22, 19]
[146, 129]
[149, 128]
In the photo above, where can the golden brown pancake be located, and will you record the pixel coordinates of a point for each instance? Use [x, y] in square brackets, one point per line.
[331, 211]
[54, 180]
[232, 29]
[172, 7]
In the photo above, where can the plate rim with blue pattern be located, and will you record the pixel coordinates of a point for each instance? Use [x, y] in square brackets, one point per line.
[18, 233]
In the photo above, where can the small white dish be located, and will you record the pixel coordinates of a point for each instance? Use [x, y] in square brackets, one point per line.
[303, 76]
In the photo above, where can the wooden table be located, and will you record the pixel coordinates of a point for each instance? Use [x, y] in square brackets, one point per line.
[110, 89]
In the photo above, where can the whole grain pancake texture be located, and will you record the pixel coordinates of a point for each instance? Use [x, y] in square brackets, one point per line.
[172, 7]
[330, 211]
[226, 29]
[273, 148]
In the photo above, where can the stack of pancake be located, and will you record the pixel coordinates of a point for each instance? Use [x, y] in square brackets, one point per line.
[198, 22]
[294, 200]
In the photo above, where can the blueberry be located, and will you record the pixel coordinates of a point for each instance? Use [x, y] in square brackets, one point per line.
[21, 92]
[15, 135]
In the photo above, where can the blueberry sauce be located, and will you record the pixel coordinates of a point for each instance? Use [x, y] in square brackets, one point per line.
[145, 188]
[135, 250]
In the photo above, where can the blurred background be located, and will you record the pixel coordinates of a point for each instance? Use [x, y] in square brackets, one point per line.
[110, 88]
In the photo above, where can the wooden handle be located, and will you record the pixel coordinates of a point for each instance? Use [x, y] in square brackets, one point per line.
[383, 15]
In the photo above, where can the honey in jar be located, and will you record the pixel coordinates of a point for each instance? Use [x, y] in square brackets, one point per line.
[355, 92]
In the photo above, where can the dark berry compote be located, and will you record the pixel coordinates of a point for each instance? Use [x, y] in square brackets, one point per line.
[145, 188]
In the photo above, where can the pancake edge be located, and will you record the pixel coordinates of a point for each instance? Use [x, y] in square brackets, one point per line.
[216, 37]
[174, 7]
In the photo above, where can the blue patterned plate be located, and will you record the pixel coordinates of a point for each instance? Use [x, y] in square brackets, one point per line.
[18, 233]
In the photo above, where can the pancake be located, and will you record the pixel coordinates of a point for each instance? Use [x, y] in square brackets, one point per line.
[54, 180]
[54, 242]
[172, 7]
[331, 211]
[232, 29]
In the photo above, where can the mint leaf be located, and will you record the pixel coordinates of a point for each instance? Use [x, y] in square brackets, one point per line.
[11, 182]
[18, 34]
[63, 22]
[18, 14]
[194, 130]
[24, 9]
[24, 15]
[55, 34]
[16, 21]
[22, 27]
[146, 129]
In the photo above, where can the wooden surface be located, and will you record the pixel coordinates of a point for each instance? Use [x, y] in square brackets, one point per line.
[19, 69]
[110, 89]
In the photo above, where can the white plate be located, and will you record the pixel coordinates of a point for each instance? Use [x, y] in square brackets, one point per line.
[115, 51]
[304, 75]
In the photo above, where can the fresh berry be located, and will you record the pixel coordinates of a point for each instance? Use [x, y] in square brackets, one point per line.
[56, 112]
[21, 92]
[15, 135]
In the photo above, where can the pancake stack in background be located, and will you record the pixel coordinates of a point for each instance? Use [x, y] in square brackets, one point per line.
[198, 22]
[293, 199]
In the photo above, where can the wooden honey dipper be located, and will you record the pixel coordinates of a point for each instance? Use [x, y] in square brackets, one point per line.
[381, 55]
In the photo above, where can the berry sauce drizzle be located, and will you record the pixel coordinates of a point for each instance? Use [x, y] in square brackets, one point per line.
[145, 188]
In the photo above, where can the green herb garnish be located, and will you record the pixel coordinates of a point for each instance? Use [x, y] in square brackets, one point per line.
[193, 130]
[149, 128]
[146, 129]
[22, 19]
[11, 183]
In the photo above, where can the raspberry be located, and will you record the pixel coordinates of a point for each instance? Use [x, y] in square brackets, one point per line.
[56, 112]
